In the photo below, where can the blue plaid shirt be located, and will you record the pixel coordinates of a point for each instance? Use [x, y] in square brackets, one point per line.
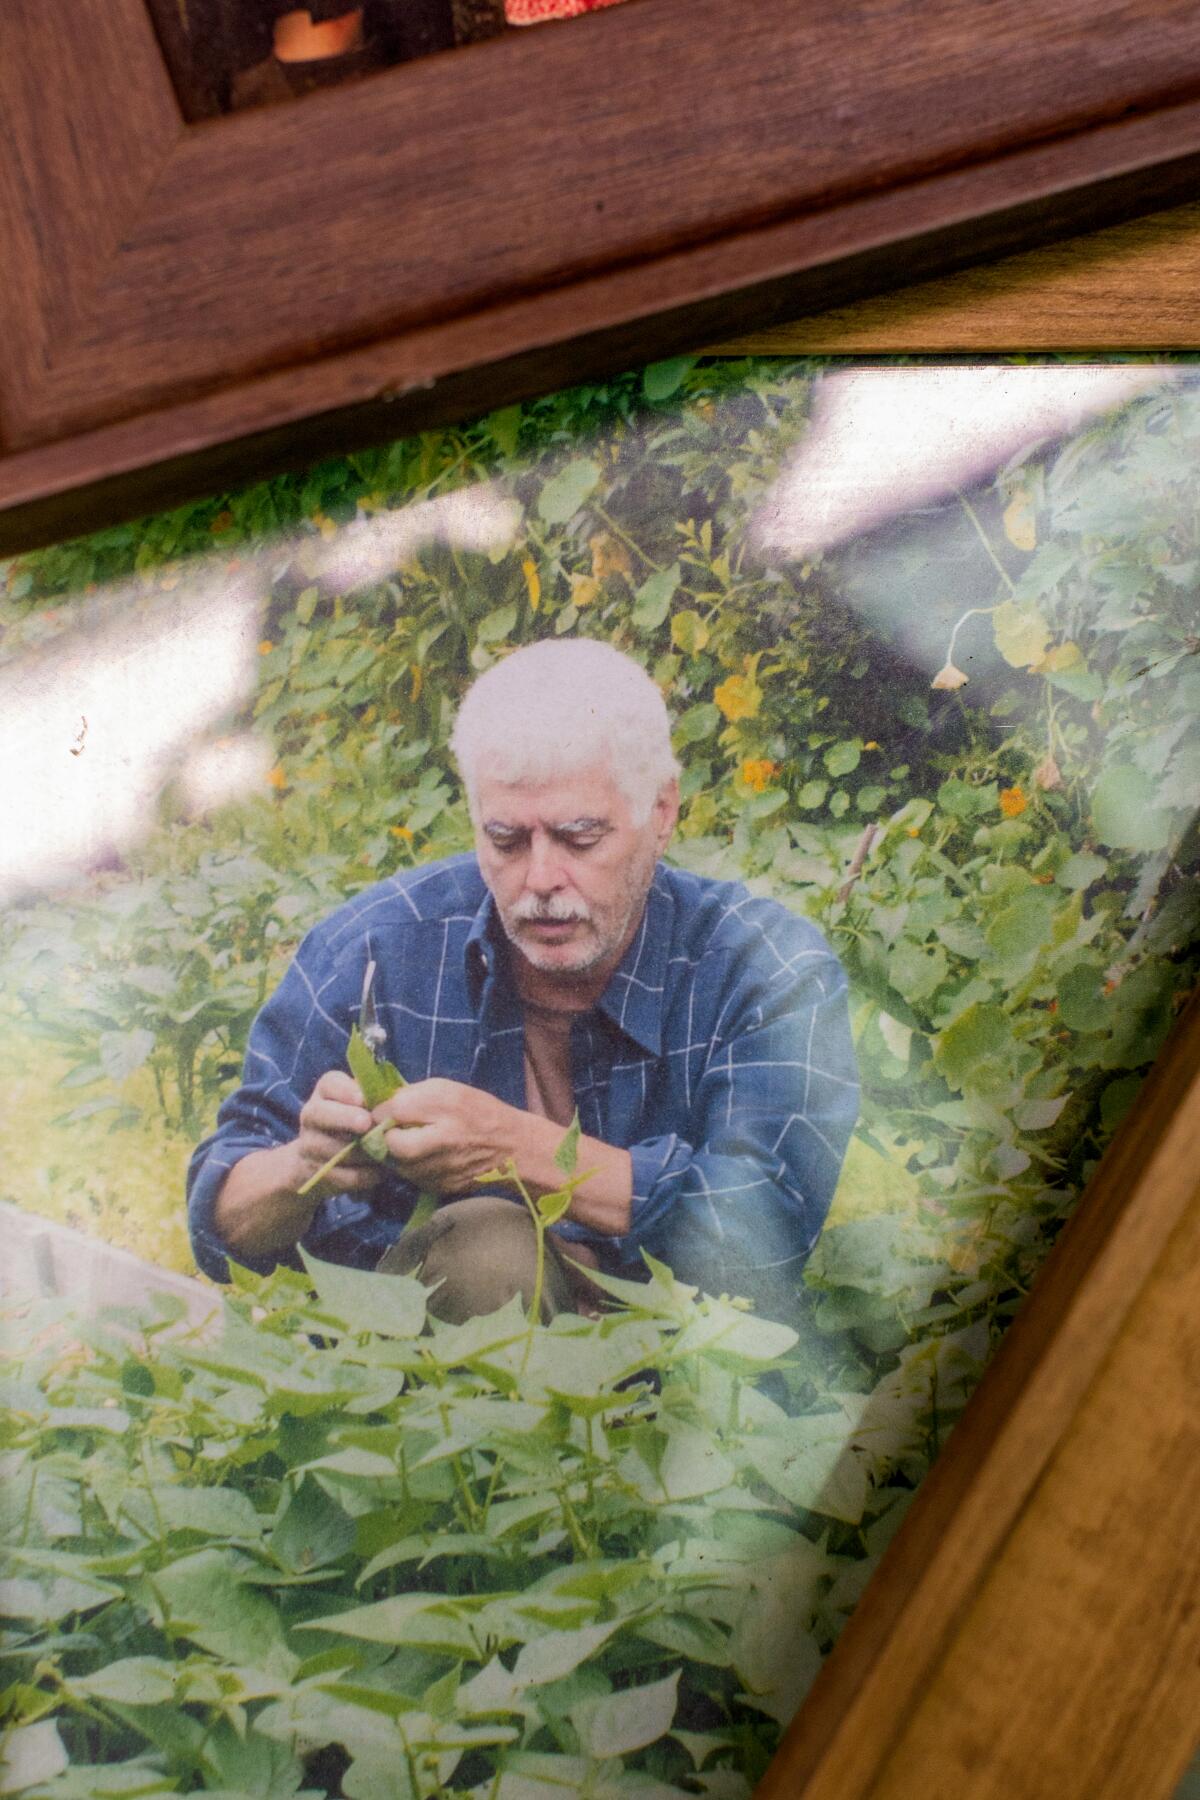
[719, 1055]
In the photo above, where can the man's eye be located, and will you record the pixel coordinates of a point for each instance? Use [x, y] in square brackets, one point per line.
[583, 843]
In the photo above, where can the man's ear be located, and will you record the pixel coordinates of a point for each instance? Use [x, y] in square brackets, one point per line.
[666, 811]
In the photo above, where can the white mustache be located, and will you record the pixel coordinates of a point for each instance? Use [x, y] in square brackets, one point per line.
[548, 912]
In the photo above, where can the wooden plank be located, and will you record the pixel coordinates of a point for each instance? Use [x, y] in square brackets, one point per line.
[1099, 1581]
[1132, 287]
[890, 1659]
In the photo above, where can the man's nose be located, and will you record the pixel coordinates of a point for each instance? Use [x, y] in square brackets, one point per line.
[543, 874]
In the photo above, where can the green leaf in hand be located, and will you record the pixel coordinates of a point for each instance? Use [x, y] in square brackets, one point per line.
[568, 1151]
[378, 1079]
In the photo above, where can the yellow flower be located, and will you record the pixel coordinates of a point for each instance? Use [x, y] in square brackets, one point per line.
[418, 680]
[758, 772]
[914, 831]
[1013, 802]
[584, 589]
[738, 697]
[402, 831]
[871, 746]
[948, 678]
[533, 583]
[276, 777]
[266, 647]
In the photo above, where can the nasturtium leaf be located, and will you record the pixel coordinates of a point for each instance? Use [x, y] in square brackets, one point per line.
[1082, 1004]
[980, 1039]
[1117, 1099]
[620, 1723]
[842, 758]
[812, 794]
[565, 493]
[653, 599]
[505, 427]
[662, 379]
[1021, 633]
[1080, 871]
[697, 723]
[1022, 927]
[364, 1300]
[1124, 812]
[689, 632]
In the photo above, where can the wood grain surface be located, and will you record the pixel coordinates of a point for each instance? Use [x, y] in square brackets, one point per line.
[1043, 1595]
[1134, 286]
[480, 226]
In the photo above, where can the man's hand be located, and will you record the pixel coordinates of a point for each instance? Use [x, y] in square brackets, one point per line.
[453, 1134]
[332, 1117]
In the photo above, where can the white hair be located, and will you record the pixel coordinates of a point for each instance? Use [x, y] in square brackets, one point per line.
[562, 705]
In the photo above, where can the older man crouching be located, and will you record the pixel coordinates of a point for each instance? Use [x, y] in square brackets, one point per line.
[701, 1034]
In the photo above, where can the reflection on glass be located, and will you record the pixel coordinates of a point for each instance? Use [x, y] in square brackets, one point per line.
[225, 55]
[928, 640]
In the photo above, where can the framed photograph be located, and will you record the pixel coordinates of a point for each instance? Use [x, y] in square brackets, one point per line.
[828, 852]
[190, 304]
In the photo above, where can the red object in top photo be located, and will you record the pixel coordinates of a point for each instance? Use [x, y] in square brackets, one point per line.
[536, 12]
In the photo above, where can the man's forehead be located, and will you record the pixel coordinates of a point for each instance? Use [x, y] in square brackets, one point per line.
[590, 794]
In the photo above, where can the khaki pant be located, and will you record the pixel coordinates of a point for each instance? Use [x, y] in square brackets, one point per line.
[482, 1251]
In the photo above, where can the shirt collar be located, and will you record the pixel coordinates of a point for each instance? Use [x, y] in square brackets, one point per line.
[634, 996]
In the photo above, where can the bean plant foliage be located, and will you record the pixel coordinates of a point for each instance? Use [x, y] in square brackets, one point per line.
[328, 1547]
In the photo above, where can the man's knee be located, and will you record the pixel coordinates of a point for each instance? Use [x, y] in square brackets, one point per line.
[475, 1254]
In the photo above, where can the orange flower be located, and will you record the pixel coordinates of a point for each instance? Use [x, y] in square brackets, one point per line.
[402, 831]
[276, 777]
[1013, 802]
[914, 831]
[757, 773]
[871, 746]
[266, 647]
[739, 697]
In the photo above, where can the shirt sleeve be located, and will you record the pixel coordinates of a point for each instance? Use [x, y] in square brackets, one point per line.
[295, 1039]
[735, 1201]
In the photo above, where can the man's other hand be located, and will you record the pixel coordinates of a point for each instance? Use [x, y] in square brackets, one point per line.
[332, 1117]
[452, 1133]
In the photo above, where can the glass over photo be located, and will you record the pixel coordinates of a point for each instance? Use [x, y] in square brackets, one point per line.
[559, 979]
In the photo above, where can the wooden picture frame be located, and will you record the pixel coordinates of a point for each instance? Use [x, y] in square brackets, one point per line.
[187, 305]
[193, 304]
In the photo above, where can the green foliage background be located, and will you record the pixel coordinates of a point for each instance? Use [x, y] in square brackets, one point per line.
[1008, 869]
